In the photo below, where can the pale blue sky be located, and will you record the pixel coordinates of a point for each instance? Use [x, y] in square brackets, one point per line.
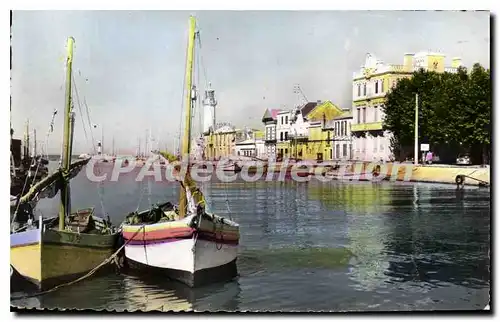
[134, 61]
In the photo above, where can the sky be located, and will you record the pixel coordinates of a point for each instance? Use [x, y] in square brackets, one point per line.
[129, 65]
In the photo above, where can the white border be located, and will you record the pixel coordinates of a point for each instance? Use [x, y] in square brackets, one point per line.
[207, 5]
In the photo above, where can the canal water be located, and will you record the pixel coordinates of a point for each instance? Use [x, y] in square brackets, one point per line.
[332, 246]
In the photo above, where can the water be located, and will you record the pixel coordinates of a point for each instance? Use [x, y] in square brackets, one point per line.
[311, 247]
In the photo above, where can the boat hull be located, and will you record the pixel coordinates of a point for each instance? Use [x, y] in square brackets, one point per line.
[193, 256]
[176, 260]
[52, 257]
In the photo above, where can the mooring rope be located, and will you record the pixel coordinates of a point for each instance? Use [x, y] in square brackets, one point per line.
[90, 273]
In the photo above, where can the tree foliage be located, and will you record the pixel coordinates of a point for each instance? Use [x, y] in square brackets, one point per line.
[454, 112]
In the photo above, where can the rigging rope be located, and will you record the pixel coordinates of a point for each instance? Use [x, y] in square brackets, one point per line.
[100, 186]
[18, 203]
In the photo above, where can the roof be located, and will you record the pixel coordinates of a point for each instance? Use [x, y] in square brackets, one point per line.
[271, 114]
[307, 108]
[246, 142]
[345, 115]
[225, 129]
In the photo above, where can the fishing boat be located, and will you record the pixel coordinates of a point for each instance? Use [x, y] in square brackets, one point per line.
[184, 242]
[48, 251]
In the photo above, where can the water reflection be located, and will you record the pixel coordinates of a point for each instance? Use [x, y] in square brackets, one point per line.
[315, 246]
[155, 294]
[434, 246]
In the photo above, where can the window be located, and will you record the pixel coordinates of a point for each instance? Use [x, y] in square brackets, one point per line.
[286, 151]
[364, 89]
[281, 136]
[344, 150]
[345, 127]
[376, 86]
[359, 115]
[286, 136]
[364, 114]
[381, 86]
[359, 90]
[286, 119]
[375, 113]
[342, 128]
[337, 151]
[350, 151]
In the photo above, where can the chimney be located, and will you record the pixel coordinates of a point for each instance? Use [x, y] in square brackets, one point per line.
[408, 62]
[456, 62]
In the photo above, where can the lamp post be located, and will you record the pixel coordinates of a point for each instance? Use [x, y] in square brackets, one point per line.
[415, 158]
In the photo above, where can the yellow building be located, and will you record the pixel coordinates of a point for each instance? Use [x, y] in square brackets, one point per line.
[370, 87]
[309, 140]
[220, 143]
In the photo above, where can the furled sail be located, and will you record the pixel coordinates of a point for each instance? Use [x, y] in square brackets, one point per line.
[49, 186]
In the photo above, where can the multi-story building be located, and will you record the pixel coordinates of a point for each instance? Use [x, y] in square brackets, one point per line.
[370, 87]
[283, 120]
[270, 119]
[309, 140]
[220, 143]
[341, 138]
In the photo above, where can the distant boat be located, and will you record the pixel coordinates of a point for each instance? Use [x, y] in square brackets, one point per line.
[191, 246]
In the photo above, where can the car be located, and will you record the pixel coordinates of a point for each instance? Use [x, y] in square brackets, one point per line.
[464, 159]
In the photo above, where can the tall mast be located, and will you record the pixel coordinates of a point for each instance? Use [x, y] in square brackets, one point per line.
[187, 125]
[27, 140]
[65, 193]
[34, 143]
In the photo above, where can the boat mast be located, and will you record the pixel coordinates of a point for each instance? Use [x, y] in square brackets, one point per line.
[34, 143]
[65, 195]
[187, 125]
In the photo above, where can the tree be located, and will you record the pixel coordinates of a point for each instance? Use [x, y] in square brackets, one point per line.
[454, 112]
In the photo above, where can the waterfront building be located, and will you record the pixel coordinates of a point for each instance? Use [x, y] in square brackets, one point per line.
[220, 143]
[309, 140]
[370, 87]
[251, 146]
[341, 138]
[283, 120]
[270, 119]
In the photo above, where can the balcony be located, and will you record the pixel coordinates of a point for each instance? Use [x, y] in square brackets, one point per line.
[370, 95]
[374, 126]
[298, 136]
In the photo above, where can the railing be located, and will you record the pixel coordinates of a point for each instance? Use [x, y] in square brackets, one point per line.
[382, 69]
[374, 126]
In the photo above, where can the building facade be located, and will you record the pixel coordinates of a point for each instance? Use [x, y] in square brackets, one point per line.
[283, 120]
[341, 138]
[370, 87]
[270, 119]
[220, 143]
[252, 147]
[309, 139]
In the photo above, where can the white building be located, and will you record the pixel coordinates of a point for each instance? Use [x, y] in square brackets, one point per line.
[342, 146]
[270, 119]
[250, 145]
